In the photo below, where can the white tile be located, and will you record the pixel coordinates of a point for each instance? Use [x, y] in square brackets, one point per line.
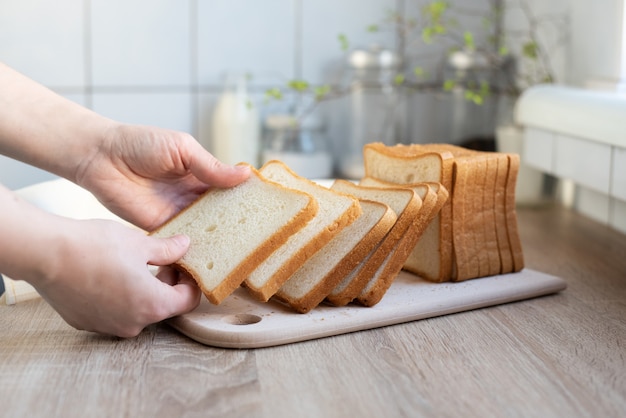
[618, 215]
[44, 40]
[593, 204]
[166, 110]
[538, 149]
[245, 36]
[141, 43]
[618, 174]
[324, 20]
[586, 162]
[206, 107]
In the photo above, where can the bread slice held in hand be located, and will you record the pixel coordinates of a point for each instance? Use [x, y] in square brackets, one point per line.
[233, 230]
[336, 211]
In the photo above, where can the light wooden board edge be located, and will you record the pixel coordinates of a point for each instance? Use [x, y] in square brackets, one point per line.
[242, 322]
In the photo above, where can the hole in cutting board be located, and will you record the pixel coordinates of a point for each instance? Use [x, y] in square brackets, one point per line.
[241, 319]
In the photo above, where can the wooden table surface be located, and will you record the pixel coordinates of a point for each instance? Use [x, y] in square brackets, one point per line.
[562, 355]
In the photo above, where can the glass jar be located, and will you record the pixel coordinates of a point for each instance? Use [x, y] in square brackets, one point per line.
[302, 146]
[374, 106]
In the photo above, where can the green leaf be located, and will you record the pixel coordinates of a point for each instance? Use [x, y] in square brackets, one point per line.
[427, 34]
[419, 72]
[298, 85]
[484, 88]
[273, 94]
[503, 50]
[373, 28]
[469, 41]
[448, 85]
[435, 9]
[343, 42]
[530, 50]
[398, 79]
[321, 92]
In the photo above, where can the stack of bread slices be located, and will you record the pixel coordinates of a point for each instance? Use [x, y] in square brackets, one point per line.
[287, 238]
[477, 227]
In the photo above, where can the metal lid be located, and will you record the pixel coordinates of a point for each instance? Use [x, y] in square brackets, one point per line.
[374, 57]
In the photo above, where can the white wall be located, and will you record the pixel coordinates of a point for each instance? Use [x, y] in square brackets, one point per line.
[161, 62]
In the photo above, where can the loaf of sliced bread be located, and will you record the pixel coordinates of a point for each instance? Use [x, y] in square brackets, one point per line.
[336, 211]
[484, 235]
[405, 203]
[233, 230]
[319, 275]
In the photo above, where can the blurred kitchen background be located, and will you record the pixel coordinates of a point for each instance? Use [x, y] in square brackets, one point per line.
[171, 63]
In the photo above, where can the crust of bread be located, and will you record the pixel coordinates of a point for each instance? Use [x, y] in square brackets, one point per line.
[489, 213]
[511, 214]
[502, 236]
[234, 279]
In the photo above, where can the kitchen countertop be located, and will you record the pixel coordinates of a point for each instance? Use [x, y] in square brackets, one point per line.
[553, 356]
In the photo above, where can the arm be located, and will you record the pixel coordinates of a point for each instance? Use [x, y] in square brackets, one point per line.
[93, 272]
[143, 174]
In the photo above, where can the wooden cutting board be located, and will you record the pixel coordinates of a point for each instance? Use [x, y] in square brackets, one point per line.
[242, 322]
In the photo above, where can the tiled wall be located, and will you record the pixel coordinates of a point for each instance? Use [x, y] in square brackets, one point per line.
[162, 62]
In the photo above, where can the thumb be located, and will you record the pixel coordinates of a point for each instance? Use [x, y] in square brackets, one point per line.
[214, 172]
[164, 251]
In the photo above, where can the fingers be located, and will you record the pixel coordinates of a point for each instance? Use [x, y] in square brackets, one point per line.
[177, 299]
[212, 171]
[164, 251]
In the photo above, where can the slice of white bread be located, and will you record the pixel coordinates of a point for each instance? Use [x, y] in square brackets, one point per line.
[404, 202]
[361, 237]
[424, 258]
[233, 230]
[336, 211]
[312, 282]
[395, 260]
[408, 164]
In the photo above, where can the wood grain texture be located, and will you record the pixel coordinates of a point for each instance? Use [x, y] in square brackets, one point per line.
[554, 356]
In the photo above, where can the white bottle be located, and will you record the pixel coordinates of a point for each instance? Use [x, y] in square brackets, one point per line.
[235, 124]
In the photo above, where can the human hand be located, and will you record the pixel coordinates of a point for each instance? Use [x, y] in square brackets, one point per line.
[146, 175]
[100, 279]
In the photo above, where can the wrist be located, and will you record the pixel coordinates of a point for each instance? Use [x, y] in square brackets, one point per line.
[30, 239]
